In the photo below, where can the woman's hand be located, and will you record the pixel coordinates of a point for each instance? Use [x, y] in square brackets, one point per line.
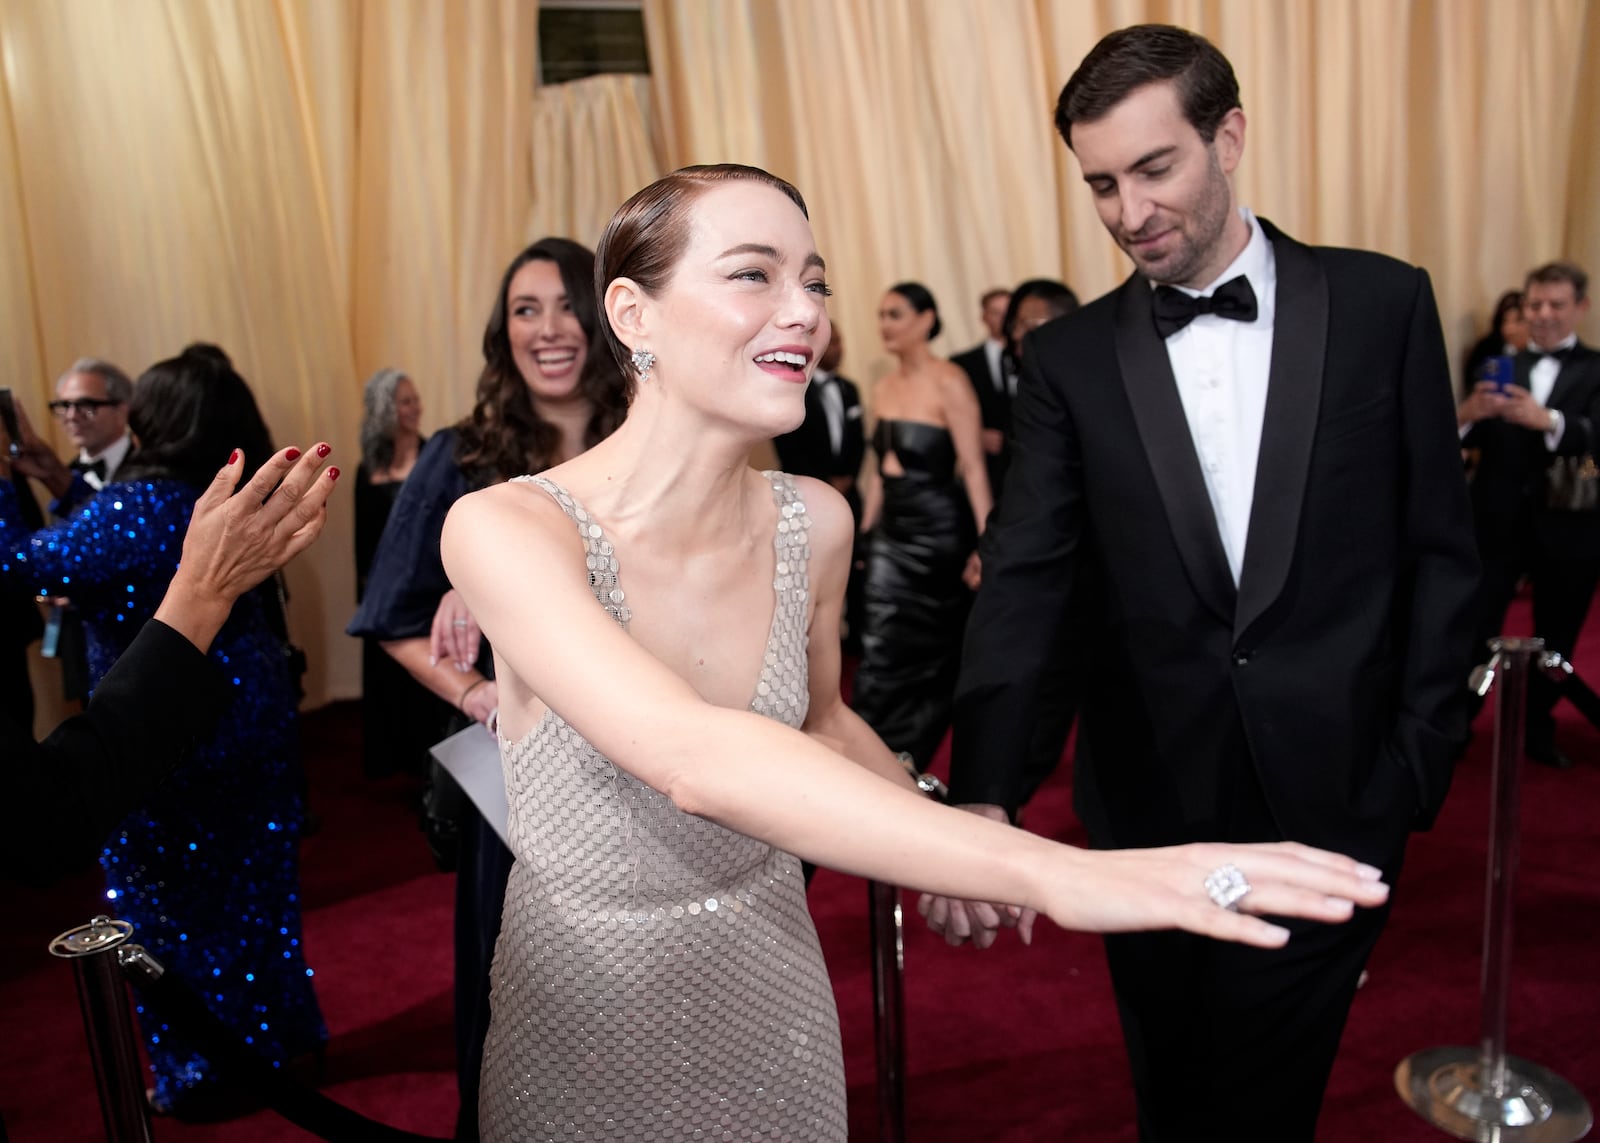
[1130, 890]
[35, 457]
[482, 704]
[455, 637]
[234, 542]
[972, 574]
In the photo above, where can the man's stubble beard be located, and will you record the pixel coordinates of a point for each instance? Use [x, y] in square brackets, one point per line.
[1210, 219]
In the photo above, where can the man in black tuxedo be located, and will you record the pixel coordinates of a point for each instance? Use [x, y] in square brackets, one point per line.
[1545, 422]
[984, 365]
[1250, 443]
[829, 445]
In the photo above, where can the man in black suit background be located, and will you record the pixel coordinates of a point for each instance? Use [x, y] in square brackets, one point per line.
[1542, 425]
[829, 445]
[984, 365]
[1250, 443]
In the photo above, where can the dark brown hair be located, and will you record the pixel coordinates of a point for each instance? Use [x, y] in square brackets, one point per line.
[504, 436]
[920, 298]
[1552, 272]
[1056, 294]
[645, 238]
[189, 413]
[1131, 58]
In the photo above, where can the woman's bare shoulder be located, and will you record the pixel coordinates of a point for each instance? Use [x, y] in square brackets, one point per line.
[518, 514]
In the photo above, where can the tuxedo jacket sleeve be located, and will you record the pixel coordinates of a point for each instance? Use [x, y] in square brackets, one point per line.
[1338, 661]
[68, 792]
[1576, 394]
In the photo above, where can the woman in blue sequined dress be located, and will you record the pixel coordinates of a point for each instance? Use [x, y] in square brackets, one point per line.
[207, 870]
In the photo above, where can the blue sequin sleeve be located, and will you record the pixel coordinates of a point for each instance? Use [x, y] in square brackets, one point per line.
[125, 536]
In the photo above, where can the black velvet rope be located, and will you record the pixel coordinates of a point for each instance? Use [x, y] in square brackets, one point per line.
[289, 1097]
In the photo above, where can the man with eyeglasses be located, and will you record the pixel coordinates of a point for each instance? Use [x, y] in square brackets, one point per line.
[92, 402]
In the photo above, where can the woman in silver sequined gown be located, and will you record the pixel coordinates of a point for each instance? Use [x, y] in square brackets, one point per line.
[665, 620]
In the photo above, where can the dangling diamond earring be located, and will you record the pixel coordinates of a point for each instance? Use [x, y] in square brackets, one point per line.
[643, 359]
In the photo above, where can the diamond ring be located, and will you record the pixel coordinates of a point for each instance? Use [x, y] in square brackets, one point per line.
[1227, 886]
[458, 623]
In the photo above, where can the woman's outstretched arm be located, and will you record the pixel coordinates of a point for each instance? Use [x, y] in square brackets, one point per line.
[517, 561]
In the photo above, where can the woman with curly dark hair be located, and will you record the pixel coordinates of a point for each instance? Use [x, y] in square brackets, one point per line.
[207, 870]
[547, 392]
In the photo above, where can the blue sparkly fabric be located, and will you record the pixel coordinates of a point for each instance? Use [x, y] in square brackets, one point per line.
[207, 870]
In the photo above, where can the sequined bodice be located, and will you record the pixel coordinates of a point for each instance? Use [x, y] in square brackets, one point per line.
[925, 451]
[553, 754]
[657, 975]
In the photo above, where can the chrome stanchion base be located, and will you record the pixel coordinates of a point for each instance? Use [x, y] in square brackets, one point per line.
[1443, 1086]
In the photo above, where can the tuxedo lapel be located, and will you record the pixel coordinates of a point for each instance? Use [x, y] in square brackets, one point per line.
[1572, 368]
[1294, 397]
[1164, 432]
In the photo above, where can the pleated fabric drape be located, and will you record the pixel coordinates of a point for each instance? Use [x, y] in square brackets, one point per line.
[324, 188]
[1461, 135]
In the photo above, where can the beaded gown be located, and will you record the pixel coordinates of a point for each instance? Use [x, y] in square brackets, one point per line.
[207, 870]
[657, 976]
[916, 602]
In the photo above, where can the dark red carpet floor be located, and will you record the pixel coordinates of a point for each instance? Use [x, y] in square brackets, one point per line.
[1012, 1044]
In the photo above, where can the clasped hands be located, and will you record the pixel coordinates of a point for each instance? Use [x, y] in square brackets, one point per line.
[1513, 404]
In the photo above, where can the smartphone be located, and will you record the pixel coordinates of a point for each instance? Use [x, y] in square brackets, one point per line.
[51, 644]
[1497, 369]
[8, 418]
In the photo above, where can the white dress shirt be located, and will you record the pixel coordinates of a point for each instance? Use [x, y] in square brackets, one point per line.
[113, 454]
[1542, 379]
[832, 407]
[1221, 367]
[997, 376]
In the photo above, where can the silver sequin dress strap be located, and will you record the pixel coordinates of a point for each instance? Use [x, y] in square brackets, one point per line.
[598, 554]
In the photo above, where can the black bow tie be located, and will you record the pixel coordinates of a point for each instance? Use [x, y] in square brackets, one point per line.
[98, 467]
[1174, 309]
[1560, 355]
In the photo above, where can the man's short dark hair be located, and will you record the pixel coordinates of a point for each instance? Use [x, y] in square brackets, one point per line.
[1131, 58]
[991, 295]
[1552, 272]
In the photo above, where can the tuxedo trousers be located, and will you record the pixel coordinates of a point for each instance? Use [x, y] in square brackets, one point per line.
[1228, 1041]
[1563, 570]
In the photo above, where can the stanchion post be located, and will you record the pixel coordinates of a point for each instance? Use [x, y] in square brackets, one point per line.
[108, 1026]
[888, 1008]
[1482, 1093]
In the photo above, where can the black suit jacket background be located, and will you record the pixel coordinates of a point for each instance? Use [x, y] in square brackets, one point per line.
[1336, 668]
[1509, 483]
[808, 450]
[994, 407]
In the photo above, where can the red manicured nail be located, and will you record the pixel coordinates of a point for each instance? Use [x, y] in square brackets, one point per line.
[233, 457]
[292, 454]
[324, 449]
[333, 473]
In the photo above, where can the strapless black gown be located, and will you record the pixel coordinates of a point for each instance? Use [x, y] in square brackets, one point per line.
[916, 604]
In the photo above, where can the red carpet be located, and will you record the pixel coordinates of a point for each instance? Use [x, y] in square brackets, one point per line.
[1009, 1045]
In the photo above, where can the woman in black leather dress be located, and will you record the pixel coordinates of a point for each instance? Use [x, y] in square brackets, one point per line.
[924, 512]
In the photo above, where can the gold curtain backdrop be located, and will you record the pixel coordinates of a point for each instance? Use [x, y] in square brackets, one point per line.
[324, 187]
